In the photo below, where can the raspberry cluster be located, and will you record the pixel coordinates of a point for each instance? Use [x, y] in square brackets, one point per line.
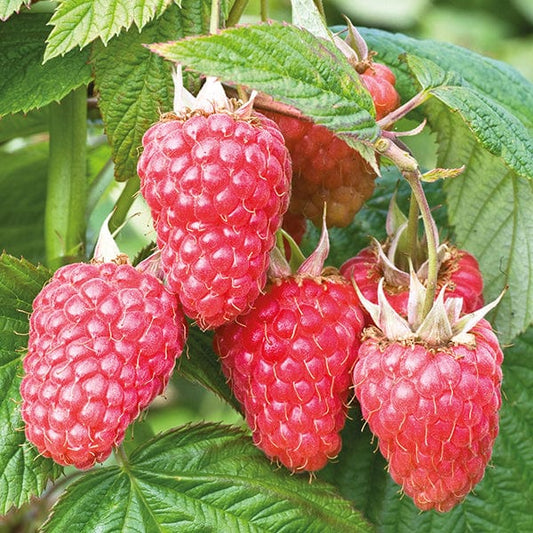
[217, 177]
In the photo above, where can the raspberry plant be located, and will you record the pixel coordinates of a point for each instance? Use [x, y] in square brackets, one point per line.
[83, 81]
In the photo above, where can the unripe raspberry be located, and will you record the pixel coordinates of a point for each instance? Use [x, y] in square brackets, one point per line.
[288, 361]
[325, 168]
[218, 185]
[103, 342]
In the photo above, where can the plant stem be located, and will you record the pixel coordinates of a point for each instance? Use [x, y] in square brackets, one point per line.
[431, 232]
[264, 11]
[214, 21]
[400, 112]
[66, 195]
[412, 231]
[236, 12]
[410, 170]
[124, 202]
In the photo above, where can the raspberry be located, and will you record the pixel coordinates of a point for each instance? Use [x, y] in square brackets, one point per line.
[459, 272]
[102, 344]
[434, 411]
[380, 81]
[217, 185]
[289, 360]
[325, 168]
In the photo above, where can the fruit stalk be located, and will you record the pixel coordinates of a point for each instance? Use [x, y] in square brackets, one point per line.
[412, 231]
[66, 195]
[432, 237]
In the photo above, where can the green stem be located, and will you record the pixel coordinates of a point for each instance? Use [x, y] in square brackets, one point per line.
[214, 21]
[123, 204]
[264, 10]
[412, 231]
[431, 232]
[236, 12]
[66, 196]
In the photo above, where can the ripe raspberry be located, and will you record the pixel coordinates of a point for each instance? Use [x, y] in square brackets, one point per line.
[435, 412]
[325, 168]
[459, 272]
[289, 360]
[103, 342]
[217, 185]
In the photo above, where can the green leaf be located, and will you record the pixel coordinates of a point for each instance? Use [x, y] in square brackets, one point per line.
[205, 478]
[485, 122]
[26, 83]
[76, 23]
[490, 209]
[8, 7]
[23, 472]
[306, 15]
[291, 65]
[135, 86]
[199, 363]
[501, 502]
[495, 128]
[494, 79]
[22, 202]
[21, 125]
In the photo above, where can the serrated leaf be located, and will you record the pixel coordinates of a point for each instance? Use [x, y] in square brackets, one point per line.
[135, 86]
[76, 23]
[8, 7]
[206, 477]
[21, 125]
[494, 79]
[200, 364]
[26, 83]
[497, 130]
[23, 179]
[291, 65]
[23, 473]
[501, 502]
[490, 209]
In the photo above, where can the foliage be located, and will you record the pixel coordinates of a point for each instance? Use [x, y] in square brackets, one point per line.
[208, 476]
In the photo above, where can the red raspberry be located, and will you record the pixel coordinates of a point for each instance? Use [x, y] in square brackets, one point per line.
[434, 410]
[103, 342]
[325, 168]
[460, 272]
[380, 81]
[289, 360]
[218, 185]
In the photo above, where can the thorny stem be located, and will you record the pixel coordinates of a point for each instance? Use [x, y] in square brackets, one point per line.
[388, 120]
[236, 12]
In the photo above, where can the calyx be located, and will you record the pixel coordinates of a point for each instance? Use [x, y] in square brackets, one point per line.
[442, 325]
